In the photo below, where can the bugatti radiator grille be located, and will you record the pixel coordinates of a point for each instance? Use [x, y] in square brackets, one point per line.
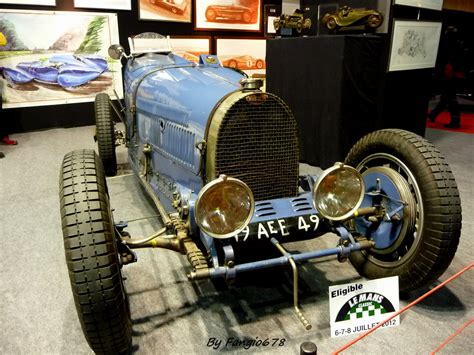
[257, 143]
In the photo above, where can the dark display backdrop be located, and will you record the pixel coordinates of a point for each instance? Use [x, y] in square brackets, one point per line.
[73, 115]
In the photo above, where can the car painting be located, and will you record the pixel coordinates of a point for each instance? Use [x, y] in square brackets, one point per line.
[165, 10]
[244, 62]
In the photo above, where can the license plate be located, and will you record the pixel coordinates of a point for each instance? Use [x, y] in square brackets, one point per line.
[283, 227]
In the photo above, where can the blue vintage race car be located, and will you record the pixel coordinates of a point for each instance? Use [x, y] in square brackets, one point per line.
[219, 158]
[66, 70]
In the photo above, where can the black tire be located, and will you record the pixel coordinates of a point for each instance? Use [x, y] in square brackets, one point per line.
[105, 133]
[91, 254]
[424, 249]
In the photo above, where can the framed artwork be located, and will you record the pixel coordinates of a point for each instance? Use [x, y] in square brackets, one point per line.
[237, 15]
[414, 45]
[54, 57]
[245, 54]
[30, 2]
[104, 4]
[190, 48]
[165, 10]
[270, 13]
[426, 4]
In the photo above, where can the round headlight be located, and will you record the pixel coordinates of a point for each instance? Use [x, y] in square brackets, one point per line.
[224, 207]
[338, 192]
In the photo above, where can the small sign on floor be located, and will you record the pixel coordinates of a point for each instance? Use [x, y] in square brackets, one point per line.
[360, 306]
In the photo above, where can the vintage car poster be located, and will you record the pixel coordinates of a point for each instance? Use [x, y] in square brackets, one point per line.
[191, 48]
[165, 10]
[57, 57]
[104, 4]
[30, 2]
[414, 45]
[244, 54]
[237, 15]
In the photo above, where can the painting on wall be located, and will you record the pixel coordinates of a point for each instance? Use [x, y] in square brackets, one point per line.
[414, 45]
[246, 54]
[237, 15]
[191, 48]
[30, 2]
[426, 4]
[57, 57]
[104, 4]
[165, 10]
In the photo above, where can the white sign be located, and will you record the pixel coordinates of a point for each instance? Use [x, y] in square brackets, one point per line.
[360, 306]
[30, 2]
[427, 4]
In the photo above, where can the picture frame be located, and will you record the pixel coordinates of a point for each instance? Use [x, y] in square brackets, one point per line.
[246, 54]
[227, 15]
[270, 13]
[414, 45]
[165, 10]
[425, 4]
[191, 47]
[58, 57]
[30, 2]
[104, 4]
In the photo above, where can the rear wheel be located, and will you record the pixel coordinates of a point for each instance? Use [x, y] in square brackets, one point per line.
[91, 254]
[105, 133]
[247, 17]
[420, 243]
[374, 21]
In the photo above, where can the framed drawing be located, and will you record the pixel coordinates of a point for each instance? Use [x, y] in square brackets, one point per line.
[270, 13]
[104, 4]
[30, 2]
[426, 4]
[54, 57]
[165, 10]
[237, 15]
[414, 45]
[191, 48]
[245, 54]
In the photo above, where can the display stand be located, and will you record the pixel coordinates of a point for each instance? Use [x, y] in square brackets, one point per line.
[338, 89]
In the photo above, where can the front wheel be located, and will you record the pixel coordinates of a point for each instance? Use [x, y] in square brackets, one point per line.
[419, 244]
[91, 254]
[211, 14]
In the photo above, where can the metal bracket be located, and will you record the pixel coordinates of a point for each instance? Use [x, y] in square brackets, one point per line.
[298, 311]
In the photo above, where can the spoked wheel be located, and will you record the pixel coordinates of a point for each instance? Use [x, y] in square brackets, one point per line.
[331, 23]
[105, 133]
[374, 21]
[416, 183]
[91, 254]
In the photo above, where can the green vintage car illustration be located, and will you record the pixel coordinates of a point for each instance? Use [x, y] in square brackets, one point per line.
[347, 16]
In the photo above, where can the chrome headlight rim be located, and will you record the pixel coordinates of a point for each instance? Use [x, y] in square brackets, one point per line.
[324, 175]
[210, 185]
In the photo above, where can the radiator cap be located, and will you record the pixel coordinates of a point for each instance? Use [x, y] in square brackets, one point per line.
[251, 83]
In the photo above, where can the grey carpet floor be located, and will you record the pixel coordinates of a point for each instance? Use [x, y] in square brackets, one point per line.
[172, 315]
